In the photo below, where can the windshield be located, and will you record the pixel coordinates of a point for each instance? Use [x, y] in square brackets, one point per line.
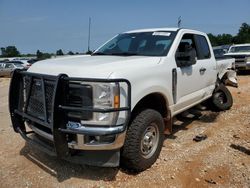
[18, 65]
[240, 49]
[143, 44]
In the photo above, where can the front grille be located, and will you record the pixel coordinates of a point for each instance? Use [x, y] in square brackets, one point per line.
[239, 59]
[35, 106]
[49, 92]
[76, 95]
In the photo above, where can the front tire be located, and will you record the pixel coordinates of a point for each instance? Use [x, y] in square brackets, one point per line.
[222, 98]
[144, 141]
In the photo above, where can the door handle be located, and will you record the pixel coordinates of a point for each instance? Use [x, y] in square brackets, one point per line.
[202, 70]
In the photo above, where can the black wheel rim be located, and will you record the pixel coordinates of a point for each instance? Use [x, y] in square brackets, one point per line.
[222, 99]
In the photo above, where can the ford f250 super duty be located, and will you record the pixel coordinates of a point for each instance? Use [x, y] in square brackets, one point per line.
[113, 107]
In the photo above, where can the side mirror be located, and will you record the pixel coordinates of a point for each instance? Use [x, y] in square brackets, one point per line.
[184, 59]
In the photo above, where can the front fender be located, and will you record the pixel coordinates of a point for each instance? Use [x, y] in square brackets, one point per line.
[137, 95]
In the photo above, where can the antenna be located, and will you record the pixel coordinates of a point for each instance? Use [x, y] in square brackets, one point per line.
[179, 22]
[89, 35]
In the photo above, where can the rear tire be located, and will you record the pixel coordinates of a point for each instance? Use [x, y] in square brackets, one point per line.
[144, 141]
[222, 98]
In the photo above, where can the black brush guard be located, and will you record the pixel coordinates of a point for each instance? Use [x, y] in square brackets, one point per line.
[54, 109]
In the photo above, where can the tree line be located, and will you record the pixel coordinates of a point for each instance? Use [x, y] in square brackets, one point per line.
[12, 51]
[41, 55]
[243, 36]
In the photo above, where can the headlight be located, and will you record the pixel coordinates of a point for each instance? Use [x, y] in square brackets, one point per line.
[247, 59]
[105, 96]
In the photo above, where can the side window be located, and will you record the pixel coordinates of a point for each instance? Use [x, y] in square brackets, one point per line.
[203, 48]
[186, 53]
[187, 39]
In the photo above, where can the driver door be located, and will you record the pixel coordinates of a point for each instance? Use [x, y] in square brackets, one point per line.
[192, 79]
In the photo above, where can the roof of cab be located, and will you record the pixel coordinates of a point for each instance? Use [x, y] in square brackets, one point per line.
[153, 30]
[165, 29]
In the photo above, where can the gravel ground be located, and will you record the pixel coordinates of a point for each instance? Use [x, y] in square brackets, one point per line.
[221, 160]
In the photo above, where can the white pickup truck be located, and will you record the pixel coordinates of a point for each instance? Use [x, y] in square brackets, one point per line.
[241, 54]
[115, 105]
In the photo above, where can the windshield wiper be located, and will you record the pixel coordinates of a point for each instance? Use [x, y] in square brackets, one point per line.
[119, 53]
[99, 53]
[124, 54]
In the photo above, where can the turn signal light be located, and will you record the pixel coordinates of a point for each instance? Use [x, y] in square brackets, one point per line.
[116, 101]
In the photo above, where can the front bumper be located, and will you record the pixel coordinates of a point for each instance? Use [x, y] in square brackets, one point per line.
[61, 140]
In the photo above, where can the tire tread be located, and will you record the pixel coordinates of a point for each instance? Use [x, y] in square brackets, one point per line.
[130, 157]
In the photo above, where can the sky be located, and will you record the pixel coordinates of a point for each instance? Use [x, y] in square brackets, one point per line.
[49, 25]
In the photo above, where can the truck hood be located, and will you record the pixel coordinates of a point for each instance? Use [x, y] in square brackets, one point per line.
[238, 54]
[92, 66]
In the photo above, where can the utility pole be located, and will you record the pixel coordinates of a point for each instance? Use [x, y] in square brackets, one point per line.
[179, 22]
[89, 35]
